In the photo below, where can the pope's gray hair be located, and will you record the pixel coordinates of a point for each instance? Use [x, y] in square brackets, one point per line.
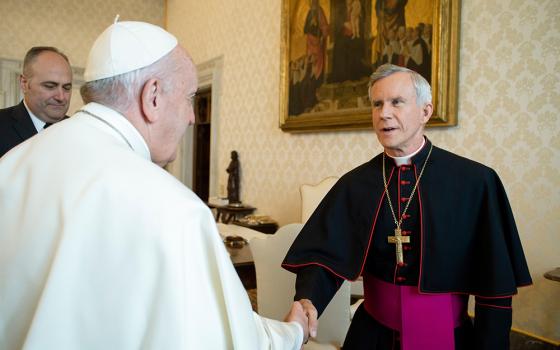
[421, 85]
[122, 91]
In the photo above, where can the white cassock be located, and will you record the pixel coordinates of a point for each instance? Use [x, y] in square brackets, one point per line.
[102, 249]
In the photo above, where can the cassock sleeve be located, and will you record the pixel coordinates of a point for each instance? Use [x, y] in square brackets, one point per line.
[492, 323]
[316, 284]
[278, 335]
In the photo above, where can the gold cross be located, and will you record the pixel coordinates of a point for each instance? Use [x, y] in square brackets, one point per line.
[398, 239]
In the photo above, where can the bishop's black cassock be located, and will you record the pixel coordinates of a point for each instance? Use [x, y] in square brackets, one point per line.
[463, 240]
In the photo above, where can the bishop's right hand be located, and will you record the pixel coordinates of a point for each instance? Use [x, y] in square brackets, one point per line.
[297, 314]
[311, 313]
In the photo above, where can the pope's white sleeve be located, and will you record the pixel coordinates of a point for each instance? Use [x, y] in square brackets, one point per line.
[276, 335]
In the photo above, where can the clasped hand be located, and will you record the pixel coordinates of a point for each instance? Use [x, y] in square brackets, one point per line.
[304, 313]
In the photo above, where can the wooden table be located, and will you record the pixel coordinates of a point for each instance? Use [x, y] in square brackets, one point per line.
[229, 212]
[242, 260]
[269, 227]
[553, 275]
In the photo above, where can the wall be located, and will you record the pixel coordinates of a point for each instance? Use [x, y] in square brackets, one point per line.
[70, 25]
[508, 118]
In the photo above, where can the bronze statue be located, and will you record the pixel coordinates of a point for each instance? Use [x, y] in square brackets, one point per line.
[233, 179]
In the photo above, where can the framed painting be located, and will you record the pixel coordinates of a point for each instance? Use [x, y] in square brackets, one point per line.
[329, 48]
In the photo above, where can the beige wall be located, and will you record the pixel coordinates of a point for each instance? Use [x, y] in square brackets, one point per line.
[508, 119]
[70, 25]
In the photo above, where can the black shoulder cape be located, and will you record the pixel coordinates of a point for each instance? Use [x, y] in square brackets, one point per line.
[470, 242]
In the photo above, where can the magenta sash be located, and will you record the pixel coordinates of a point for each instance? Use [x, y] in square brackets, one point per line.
[425, 321]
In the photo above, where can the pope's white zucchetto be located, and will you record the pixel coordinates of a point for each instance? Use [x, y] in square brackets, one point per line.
[127, 46]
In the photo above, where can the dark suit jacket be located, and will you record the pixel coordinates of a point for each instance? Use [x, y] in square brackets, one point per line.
[15, 127]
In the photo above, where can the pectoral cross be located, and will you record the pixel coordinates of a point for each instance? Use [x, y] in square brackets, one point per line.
[398, 239]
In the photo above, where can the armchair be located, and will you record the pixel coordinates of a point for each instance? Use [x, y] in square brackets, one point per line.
[275, 289]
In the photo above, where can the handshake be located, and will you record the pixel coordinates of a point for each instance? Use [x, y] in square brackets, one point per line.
[304, 313]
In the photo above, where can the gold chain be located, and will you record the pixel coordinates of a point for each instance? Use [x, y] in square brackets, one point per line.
[399, 222]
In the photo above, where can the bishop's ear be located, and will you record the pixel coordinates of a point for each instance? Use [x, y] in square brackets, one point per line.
[427, 111]
[151, 99]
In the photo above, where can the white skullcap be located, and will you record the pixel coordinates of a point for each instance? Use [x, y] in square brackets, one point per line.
[125, 47]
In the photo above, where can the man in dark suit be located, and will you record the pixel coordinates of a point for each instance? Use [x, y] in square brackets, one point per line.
[46, 83]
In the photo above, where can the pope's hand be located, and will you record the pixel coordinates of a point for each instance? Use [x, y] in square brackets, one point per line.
[298, 315]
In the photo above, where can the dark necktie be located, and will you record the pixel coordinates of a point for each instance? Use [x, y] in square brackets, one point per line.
[47, 125]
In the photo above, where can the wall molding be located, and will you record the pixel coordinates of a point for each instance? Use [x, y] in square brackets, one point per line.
[209, 76]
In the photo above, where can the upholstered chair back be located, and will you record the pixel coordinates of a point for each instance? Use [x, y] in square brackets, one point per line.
[276, 289]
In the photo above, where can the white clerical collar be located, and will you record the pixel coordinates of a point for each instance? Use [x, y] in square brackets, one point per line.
[406, 159]
[120, 125]
[38, 123]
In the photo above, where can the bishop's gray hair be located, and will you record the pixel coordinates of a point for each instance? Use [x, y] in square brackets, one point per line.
[421, 85]
[122, 91]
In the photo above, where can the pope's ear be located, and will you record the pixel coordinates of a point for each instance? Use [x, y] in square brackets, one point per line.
[150, 98]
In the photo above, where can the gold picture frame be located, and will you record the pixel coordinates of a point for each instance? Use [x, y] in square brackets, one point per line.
[324, 84]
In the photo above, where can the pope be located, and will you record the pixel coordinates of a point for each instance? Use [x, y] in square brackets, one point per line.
[101, 248]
